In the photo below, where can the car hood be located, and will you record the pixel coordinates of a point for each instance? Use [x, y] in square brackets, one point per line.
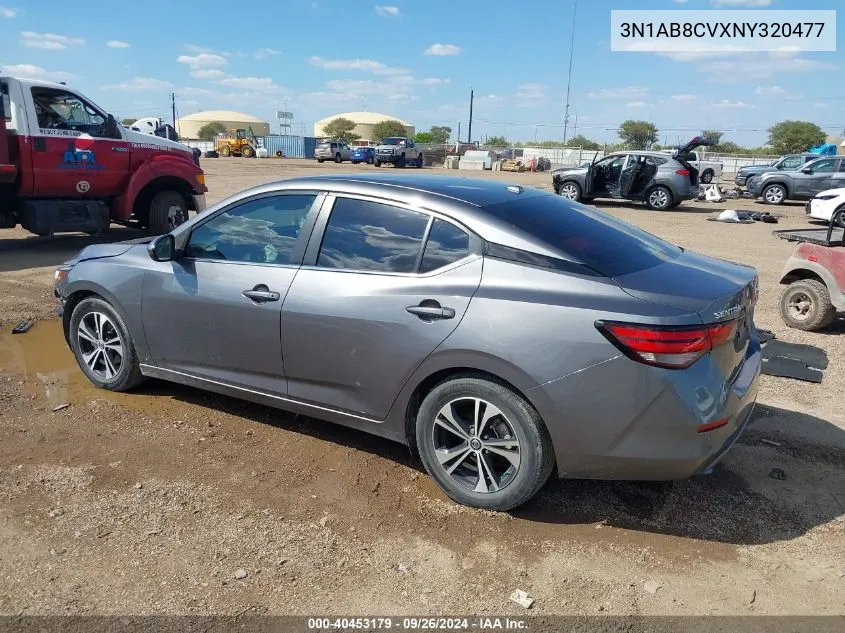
[755, 170]
[570, 170]
[100, 251]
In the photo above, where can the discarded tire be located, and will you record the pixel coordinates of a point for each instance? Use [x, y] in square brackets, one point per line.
[279, 153]
[212, 154]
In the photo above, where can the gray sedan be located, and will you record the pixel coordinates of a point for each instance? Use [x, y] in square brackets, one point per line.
[802, 184]
[504, 332]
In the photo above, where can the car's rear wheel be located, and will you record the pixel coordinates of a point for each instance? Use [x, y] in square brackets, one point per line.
[102, 346]
[774, 194]
[707, 176]
[570, 190]
[806, 305]
[659, 198]
[370, 160]
[338, 158]
[841, 220]
[483, 444]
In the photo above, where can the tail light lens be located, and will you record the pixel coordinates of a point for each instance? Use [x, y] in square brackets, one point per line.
[682, 172]
[669, 347]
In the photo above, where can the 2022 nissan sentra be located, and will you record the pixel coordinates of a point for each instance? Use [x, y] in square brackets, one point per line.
[504, 332]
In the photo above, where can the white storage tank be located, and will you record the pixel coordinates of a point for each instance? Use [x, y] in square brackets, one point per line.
[477, 159]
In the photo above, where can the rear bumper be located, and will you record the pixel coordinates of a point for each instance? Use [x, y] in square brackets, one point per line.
[646, 426]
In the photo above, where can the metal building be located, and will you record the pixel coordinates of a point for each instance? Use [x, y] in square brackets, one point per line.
[188, 127]
[364, 123]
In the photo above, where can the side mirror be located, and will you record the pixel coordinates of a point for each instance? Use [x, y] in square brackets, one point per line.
[112, 130]
[162, 248]
[807, 170]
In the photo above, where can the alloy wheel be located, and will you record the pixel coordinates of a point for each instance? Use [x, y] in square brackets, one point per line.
[100, 345]
[774, 195]
[658, 199]
[476, 445]
[569, 191]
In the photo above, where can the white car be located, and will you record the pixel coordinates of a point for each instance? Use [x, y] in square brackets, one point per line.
[825, 204]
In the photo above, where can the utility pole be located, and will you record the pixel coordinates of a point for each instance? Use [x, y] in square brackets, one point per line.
[569, 77]
[471, 97]
[173, 108]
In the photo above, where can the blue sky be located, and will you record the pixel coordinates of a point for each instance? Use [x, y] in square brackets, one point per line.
[417, 60]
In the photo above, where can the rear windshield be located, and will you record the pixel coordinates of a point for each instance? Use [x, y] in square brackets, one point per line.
[585, 235]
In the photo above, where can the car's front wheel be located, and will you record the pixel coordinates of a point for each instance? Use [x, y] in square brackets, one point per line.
[102, 346]
[659, 198]
[774, 194]
[570, 190]
[483, 444]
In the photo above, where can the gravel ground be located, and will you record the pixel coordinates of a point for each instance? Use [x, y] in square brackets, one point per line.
[171, 500]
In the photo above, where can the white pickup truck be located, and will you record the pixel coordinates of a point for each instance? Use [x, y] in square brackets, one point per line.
[398, 150]
[708, 170]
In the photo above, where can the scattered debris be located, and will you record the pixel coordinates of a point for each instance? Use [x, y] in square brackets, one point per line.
[651, 586]
[753, 597]
[402, 567]
[154, 531]
[138, 486]
[521, 598]
[777, 473]
[22, 327]
[324, 521]
[730, 215]
[55, 512]
[58, 551]
[240, 574]
[765, 336]
[793, 360]
[64, 405]
[771, 442]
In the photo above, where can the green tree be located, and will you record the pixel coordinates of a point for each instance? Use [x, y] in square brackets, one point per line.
[440, 133]
[497, 141]
[385, 129]
[424, 137]
[128, 122]
[340, 129]
[713, 135]
[638, 134]
[210, 130]
[583, 142]
[789, 137]
[729, 147]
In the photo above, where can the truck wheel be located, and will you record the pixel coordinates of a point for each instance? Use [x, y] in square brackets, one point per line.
[419, 162]
[320, 160]
[338, 158]
[225, 151]
[707, 176]
[805, 305]
[774, 194]
[376, 162]
[167, 211]
[247, 151]
[400, 162]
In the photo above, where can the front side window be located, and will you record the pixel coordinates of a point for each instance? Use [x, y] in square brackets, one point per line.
[61, 110]
[823, 166]
[371, 236]
[446, 245]
[790, 163]
[264, 230]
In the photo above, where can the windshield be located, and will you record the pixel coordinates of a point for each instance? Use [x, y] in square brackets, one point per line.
[393, 141]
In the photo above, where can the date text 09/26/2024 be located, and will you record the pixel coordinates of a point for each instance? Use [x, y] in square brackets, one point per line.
[416, 624]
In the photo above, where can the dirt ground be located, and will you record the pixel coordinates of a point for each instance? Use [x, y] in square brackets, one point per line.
[171, 500]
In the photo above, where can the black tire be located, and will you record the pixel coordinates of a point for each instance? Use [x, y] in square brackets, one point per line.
[774, 194]
[225, 151]
[370, 160]
[338, 158]
[819, 313]
[279, 153]
[535, 446]
[659, 198]
[320, 160]
[400, 162]
[212, 154]
[707, 176]
[570, 190]
[128, 374]
[419, 162]
[376, 162]
[168, 210]
[841, 220]
[247, 151]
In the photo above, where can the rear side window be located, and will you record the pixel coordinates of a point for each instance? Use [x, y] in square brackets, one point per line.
[446, 245]
[584, 235]
[363, 235]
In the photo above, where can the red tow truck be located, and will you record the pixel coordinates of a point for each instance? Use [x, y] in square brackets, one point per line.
[66, 166]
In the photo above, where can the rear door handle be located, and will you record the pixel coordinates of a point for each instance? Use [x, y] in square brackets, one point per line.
[260, 294]
[431, 312]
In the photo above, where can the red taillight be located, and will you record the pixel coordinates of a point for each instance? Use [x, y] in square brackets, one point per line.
[682, 172]
[670, 347]
[715, 424]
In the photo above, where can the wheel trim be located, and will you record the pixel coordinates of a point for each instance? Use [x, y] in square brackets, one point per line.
[799, 306]
[476, 445]
[100, 345]
[774, 194]
[569, 191]
[658, 198]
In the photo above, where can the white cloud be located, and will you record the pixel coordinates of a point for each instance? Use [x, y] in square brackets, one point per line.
[261, 84]
[366, 65]
[763, 66]
[530, 91]
[208, 73]
[683, 98]
[202, 60]
[49, 41]
[625, 92]
[141, 84]
[31, 71]
[387, 11]
[117, 44]
[727, 103]
[741, 3]
[769, 90]
[8, 13]
[636, 104]
[442, 50]
[433, 81]
[193, 48]
[263, 53]
[694, 56]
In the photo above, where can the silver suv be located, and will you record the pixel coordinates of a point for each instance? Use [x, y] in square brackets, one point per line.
[338, 151]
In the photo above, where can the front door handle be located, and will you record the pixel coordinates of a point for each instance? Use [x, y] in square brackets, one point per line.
[431, 312]
[261, 294]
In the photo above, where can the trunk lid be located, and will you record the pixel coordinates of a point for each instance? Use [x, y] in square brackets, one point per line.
[716, 290]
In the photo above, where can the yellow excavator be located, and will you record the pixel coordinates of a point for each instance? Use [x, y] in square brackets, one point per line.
[241, 143]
